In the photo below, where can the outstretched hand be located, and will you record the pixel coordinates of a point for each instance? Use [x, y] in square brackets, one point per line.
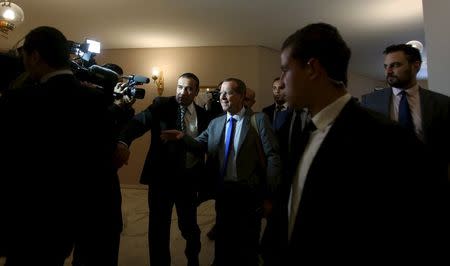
[121, 155]
[171, 135]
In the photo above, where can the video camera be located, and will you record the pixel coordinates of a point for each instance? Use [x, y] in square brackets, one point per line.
[85, 68]
[131, 90]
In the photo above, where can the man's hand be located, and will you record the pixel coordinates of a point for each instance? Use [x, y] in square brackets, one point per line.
[170, 135]
[267, 208]
[125, 101]
[121, 155]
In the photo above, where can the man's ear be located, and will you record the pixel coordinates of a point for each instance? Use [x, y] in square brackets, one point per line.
[416, 66]
[35, 57]
[313, 68]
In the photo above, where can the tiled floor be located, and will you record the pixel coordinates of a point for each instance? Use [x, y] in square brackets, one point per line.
[133, 245]
[133, 249]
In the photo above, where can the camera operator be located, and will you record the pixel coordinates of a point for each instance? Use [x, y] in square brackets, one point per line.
[120, 111]
[49, 194]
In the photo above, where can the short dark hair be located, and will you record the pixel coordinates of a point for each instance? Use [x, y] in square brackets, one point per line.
[51, 45]
[241, 87]
[412, 53]
[275, 79]
[114, 67]
[323, 42]
[191, 76]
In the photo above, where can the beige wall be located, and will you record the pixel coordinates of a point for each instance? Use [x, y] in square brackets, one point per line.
[256, 66]
[437, 43]
[359, 85]
[268, 70]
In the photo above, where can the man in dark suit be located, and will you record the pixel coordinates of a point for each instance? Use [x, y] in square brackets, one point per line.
[171, 172]
[120, 112]
[55, 159]
[351, 199]
[427, 113]
[245, 163]
[278, 112]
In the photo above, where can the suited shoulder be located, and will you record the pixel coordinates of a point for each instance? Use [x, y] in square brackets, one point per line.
[376, 93]
[219, 118]
[160, 100]
[371, 123]
[268, 108]
[438, 98]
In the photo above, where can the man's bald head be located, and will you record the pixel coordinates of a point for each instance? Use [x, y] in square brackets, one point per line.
[249, 99]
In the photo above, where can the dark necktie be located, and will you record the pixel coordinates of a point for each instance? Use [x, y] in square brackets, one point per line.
[182, 115]
[296, 129]
[404, 112]
[278, 109]
[229, 140]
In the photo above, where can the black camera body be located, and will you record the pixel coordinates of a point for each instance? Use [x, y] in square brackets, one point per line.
[215, 96]
[131, 87]
[100, 76]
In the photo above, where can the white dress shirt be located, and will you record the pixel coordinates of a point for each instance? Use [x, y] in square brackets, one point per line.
[231, 172]
[413, 97]
[191, 128]
[323, 122]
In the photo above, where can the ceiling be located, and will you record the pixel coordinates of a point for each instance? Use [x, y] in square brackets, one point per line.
[368, 26]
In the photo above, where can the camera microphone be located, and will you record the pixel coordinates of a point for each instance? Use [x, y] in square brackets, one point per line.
[138, 79]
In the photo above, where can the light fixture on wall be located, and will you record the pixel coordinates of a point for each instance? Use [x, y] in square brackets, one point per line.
[11, 15]
[158, 79]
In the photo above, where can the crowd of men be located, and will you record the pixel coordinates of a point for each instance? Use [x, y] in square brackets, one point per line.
[337, 180]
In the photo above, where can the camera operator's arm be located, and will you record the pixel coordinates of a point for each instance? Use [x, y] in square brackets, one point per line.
[133, 129]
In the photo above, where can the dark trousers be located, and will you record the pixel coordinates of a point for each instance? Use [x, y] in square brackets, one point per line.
[161, 200]
[86, 253]
[238, 225]
[97, 240]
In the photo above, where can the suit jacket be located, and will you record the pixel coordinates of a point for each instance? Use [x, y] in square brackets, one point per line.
[56, 154]
[370, 189]
[164, 161]
[248, 164]
[435, 112]
[269, 111]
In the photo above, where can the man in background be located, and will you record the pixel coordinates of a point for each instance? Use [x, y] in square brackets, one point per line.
[249, 99]
[274, 110]
[424, 112]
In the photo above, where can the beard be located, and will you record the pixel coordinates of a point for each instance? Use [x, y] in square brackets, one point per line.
[394, 81]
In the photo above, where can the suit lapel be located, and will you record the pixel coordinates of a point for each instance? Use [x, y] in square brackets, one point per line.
[220, 130]
[328, 150]
[386, 102]
[244, 129]
[425, 110]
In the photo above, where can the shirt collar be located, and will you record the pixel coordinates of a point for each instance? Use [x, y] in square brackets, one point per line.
[413, 90]
[191, 108]
[47, 76]
[328, 114]
[284, 106]
[238, 116]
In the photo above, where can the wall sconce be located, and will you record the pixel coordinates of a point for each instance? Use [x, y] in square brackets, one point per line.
[11, 15]
[158, 79]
